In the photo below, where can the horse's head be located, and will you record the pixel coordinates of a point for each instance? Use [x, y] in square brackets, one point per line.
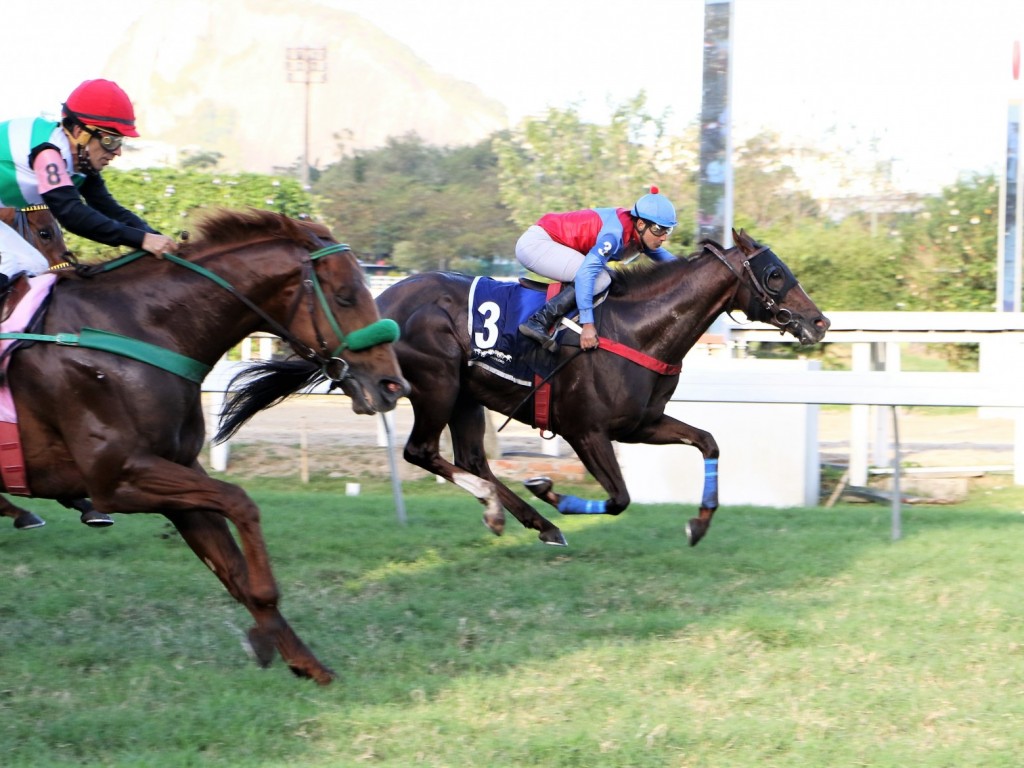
[769, 293]
[40, 228]
[321, 305]
[352, 336]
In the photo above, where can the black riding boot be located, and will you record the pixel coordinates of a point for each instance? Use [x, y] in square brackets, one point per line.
[538, 327]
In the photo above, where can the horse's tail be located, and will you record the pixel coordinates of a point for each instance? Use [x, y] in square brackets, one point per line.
[260, 386]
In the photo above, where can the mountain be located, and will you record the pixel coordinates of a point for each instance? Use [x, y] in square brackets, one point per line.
[213, 76]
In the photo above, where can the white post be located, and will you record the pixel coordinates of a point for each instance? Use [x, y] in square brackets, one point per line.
[860, 416]
[219, 452]
[552, 447]
[266, 347]
[1018, 447]
[385, 428]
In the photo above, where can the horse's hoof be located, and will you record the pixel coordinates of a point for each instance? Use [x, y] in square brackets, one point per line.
[553, 537]
[95, 519]
[260, 646]
[494, 525]
[539, 486]
[320, 675]
[695, 530]
[27, 520]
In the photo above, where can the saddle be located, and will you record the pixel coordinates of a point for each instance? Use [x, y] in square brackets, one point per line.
[533, 285]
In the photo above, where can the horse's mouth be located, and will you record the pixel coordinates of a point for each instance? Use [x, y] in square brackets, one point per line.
[811, 332]
[382, 397]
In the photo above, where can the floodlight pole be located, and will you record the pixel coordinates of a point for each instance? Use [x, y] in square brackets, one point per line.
[307, 66]
[714, 193]
[1011, 203]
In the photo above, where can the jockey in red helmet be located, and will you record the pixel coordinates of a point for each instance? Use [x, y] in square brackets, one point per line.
[59, 165]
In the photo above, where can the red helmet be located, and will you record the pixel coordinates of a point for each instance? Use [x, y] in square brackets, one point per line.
[103, 104]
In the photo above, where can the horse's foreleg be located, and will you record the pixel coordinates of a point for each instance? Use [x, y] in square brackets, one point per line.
[467, 430]
[23, 519]
[197, 505]
[669, 431]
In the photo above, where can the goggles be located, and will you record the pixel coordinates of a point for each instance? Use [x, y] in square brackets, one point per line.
[657, 230]
[111, 142]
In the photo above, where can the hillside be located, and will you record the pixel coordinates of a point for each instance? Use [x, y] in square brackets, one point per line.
[214, 76]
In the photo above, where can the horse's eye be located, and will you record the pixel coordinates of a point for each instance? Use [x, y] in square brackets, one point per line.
[45, 234]
[774, 280]
[345, 299]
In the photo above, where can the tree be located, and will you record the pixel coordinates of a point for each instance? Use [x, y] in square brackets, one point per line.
[165, 198]
[561, 163]
[954, 244]
[421, 207]
[767, 192]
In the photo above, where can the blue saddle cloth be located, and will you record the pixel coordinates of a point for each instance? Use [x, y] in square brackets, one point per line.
[496, 309]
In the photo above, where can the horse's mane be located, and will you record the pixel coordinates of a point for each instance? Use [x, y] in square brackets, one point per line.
[221, 226]
[634, 279]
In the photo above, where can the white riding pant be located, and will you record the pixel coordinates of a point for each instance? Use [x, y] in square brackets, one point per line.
[539, 253]
[18, 255]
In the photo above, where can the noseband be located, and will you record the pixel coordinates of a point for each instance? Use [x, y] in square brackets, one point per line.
[378, 332]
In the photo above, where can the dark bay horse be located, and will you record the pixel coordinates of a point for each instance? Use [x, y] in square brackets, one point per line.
[117, 415]
[596, 397]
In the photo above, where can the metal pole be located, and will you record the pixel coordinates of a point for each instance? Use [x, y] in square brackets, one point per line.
[306, 66]
[396, 481]
[897, 530]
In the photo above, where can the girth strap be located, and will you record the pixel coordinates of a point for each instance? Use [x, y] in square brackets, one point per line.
[143, 351]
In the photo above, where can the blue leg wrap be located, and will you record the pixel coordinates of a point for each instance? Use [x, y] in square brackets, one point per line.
[574, 505]
[710, 499]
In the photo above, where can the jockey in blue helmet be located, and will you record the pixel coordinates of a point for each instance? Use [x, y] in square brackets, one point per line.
[576, 247]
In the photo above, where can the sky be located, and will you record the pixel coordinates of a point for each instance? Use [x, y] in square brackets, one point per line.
[924, 83]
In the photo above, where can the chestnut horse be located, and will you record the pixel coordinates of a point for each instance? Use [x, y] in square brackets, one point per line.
[40, 228]
[596, 397]
[113, 410]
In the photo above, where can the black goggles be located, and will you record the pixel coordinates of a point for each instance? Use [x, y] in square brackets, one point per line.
[111, 142]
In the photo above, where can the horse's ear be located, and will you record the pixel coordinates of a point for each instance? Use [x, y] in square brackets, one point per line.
[740, 237]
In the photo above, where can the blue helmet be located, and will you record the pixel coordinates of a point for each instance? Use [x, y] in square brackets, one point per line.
[656, 208]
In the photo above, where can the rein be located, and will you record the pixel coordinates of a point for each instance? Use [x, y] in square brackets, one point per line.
[333, 367]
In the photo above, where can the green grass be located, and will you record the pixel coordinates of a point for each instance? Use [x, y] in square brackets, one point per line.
[797, 637]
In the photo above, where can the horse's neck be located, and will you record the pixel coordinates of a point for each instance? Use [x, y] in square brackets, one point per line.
[207, 319]
[673, 314]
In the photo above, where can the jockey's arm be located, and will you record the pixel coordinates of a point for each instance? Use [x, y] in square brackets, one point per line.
[593, 265]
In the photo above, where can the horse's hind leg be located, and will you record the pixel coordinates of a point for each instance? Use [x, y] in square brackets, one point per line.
[468, 426]
[23, 519]
[197, 505]
[423, 449]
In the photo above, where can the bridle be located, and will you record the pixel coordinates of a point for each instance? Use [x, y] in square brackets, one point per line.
[762, 297]
[24, 228]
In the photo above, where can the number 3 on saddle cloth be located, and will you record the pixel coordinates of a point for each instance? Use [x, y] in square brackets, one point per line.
[12, 462]
[496, 309]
